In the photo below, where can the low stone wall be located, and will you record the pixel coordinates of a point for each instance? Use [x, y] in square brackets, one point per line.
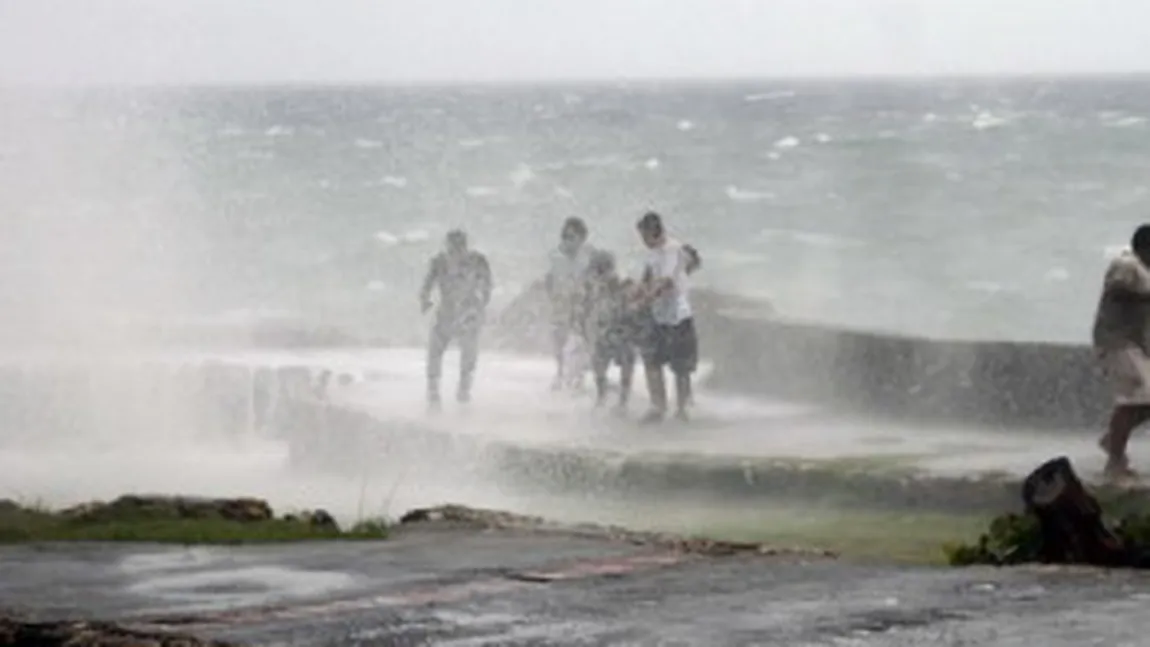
[981, 382]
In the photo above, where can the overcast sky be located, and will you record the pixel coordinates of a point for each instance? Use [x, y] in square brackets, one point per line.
[239, 41]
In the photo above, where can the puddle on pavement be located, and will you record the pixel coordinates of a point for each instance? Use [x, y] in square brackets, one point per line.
[240, 587]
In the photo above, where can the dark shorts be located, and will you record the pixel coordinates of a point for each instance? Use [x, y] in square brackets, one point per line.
[617, 352]
[675, 345]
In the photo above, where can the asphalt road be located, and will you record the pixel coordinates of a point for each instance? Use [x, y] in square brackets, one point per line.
[461, 587]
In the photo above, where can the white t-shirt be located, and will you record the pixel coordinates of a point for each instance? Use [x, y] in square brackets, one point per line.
[670, 261]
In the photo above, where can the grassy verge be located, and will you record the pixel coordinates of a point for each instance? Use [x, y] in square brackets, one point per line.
[890, 536]
[910, 538]
[171, 524]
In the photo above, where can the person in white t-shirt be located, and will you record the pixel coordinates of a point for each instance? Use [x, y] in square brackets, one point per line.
[565, 279]
[671, 338]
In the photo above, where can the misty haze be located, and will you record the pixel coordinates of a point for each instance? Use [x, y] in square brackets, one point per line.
[897, 217]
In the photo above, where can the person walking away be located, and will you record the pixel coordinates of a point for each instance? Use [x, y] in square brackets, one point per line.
[609, 326]
[564, 281]
[671, 338]
[1120, 343]
[464, 279]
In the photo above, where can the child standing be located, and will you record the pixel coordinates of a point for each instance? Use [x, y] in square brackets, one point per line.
[609, 325]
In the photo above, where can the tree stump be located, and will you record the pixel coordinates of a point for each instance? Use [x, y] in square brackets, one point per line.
[1070, 519]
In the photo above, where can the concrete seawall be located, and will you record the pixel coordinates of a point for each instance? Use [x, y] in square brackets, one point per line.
[1030, 384]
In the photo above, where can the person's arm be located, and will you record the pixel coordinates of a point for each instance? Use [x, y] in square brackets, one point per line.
[694, 261]
[434, 272]
[486, 279]
[1123, 283]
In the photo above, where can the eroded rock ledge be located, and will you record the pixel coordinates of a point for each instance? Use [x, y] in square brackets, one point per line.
[457, 516]
[15, 632]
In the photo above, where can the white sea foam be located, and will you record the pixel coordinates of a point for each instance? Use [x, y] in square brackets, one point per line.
[482, 191]
[386, 238]
[988, 287]
[416, 236]
[985, 121]
[472, 143]
[279, 131]
[823, 138]
[521, 175]
[810, 238]
[376, 286]
[787, 142]
[395, 181]
[743, 195]
[368, 143]
[769, 96]
[1057, 274]
[564, 192]
[651, 164]
[1127, 121]
[685, 125]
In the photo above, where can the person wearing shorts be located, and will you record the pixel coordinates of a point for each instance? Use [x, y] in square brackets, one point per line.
[1120, 344]
[608, 325]
[670, 338]
[464, 279]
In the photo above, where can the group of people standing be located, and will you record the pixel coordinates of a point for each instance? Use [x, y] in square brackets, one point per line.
[612, 319]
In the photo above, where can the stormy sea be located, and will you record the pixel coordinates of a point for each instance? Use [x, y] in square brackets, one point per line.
[175, 225]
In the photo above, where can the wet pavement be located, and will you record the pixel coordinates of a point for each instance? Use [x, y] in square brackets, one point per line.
[464, 587]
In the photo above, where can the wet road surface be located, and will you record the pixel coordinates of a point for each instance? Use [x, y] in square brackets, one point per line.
[456, 587]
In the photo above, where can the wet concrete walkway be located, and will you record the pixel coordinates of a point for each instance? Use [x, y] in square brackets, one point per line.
[462, 587]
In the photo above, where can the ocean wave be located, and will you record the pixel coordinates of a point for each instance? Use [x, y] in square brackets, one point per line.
[250, 154]
[742, 195]
[386, 238]
[1120, 121]
[810, 238]
[481, 191]
[787, 142]
[521, 175]
[651, 164]
[368, 143]
[769, 96]
[685, 125]
[411, 236]
[986, 121]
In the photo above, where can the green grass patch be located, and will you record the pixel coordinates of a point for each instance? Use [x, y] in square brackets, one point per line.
[889, 536]
[25, 525]
[912, 538]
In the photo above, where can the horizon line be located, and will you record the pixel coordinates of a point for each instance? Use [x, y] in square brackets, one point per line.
[445, 83]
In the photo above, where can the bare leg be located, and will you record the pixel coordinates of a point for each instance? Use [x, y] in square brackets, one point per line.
[657, 390]
[468, 360]
[558, 342]
[626, 376]
[436, 347]
[1123, 421]
[682, 394]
